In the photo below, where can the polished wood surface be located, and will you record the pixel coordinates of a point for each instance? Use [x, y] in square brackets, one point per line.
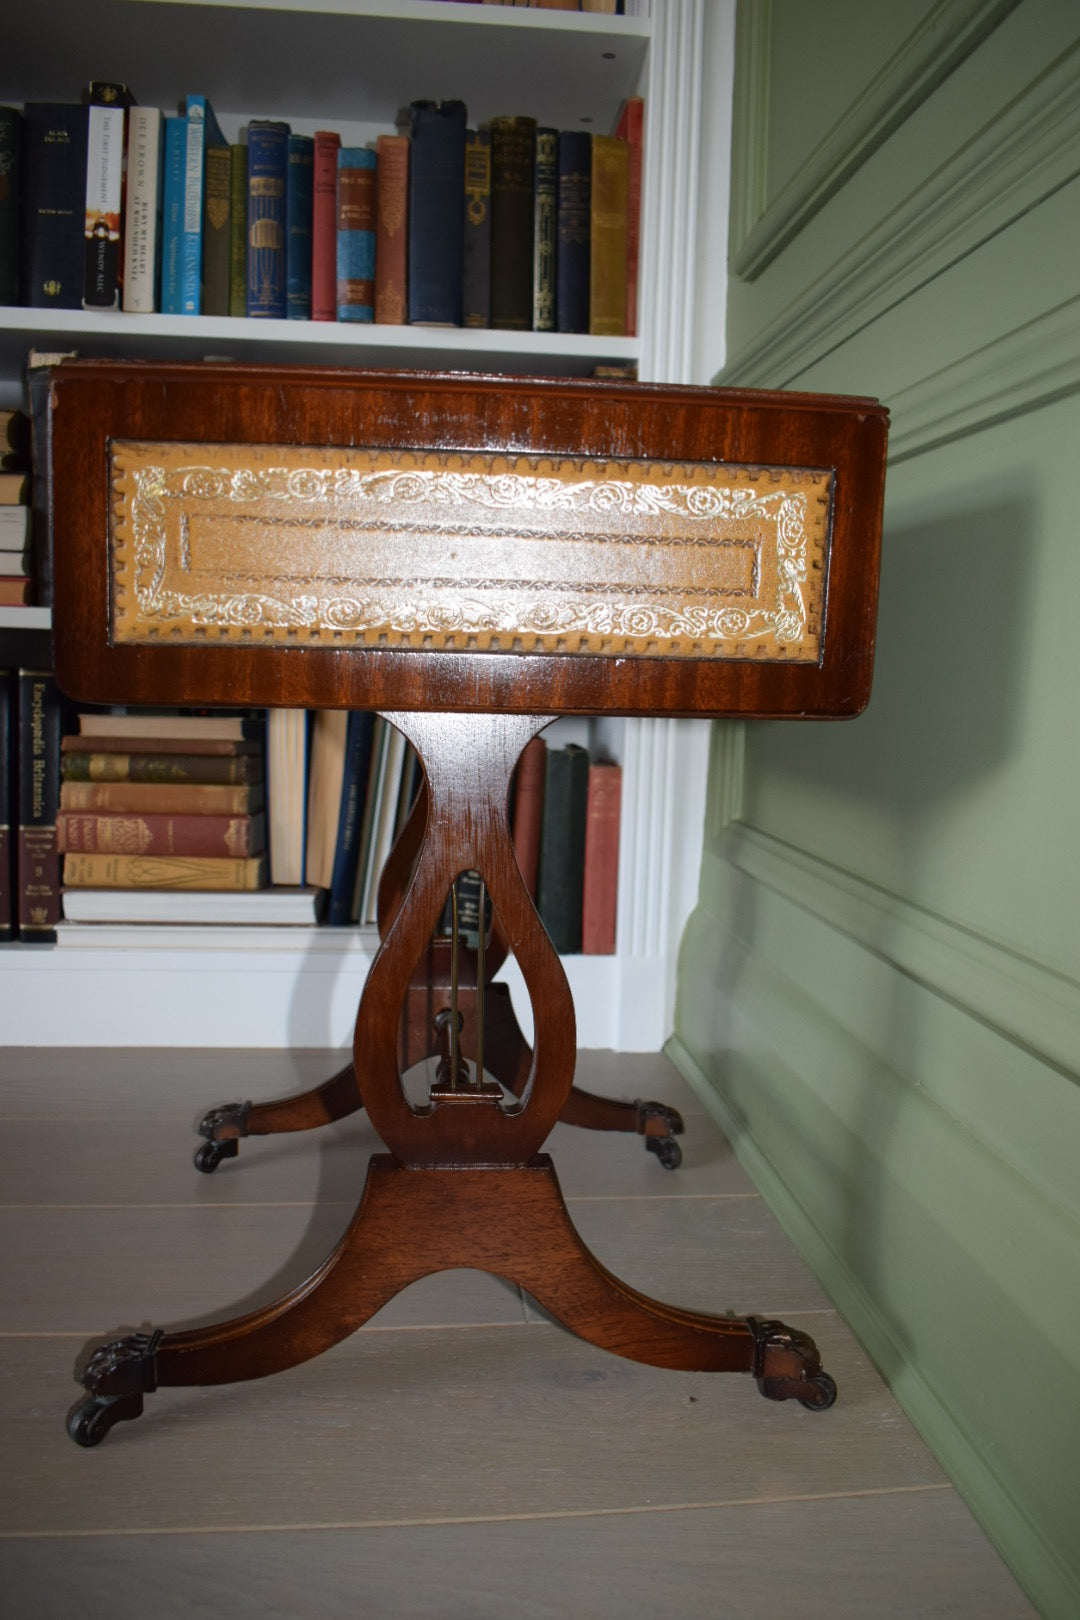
[96, 404]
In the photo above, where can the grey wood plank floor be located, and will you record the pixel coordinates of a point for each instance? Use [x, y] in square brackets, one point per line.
[462, 1456]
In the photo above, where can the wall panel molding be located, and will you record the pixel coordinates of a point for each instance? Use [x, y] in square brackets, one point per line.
[1022, 154]
[1027, 1002]
[948, 33]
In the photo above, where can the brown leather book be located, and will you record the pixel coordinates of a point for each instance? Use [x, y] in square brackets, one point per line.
[120, 834]
[163, 872]
[631, 129]
[163, 798]
[513, 167]
[119, 743]
[601, 879]
[607, 256]
[324, 227]
[391, 236]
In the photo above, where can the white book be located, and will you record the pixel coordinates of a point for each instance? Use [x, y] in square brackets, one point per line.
[255, 908]
[14, 527]
[227, 727]
[142, 211]
[286, 790]
[382, 840]
[104, 201]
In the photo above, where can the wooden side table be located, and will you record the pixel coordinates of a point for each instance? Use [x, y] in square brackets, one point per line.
[470, 556]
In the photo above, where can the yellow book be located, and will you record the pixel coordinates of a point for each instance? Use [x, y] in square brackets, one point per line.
[205, 872]
[607, 256]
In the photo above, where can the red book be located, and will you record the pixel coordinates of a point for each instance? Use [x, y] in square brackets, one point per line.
[601, 860]
[392, 212]
[78, 833]
[324, 228]
[16, 590]
[528, 809]
[631, 128]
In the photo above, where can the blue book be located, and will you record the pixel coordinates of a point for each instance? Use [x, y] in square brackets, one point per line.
[172, 214]
[358, 738]
[268, 165]
[357, 167]
[436, 211]
[299, 202]
[573, 216]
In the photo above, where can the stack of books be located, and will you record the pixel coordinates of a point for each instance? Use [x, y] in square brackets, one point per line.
[16, 551]
[155, 807]
[512, 225]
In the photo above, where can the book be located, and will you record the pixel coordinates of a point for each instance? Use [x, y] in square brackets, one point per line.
[324, 226]
[631, 129]
[391, 229]
[238, 183]
[436, 193]
[164, 798]
[217, 242]
[545, 233]
[382, 825]
[356, 218]
[174, 142]
[286, 783]
[145, 742]
[106, 153]
[357, 764]
[276, 907]
[92, 765]
[513, 169]
[299, 214]
[573, 230]
[329, 728]
[7, 810]
[163, 872]
[230, 727]
[142, 210]
[607, 244]
[14, 528]
[600, 873]
[41, 715]
[15, 433]
[14, 488]
[562, 846]
[16, 590]
[186, 144]
[528, 808]
[133, 833]
[10, 202]
[268, 151]
[476, 248]
[53, 204]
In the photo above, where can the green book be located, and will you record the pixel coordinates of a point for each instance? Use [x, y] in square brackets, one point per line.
[560, 880]
[238, 230]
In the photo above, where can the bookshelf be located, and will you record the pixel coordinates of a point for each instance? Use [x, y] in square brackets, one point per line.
[350, 57]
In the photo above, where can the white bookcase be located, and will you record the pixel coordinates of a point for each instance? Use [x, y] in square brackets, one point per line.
[352, 65]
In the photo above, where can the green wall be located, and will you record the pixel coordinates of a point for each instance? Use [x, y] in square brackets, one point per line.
[880, 986]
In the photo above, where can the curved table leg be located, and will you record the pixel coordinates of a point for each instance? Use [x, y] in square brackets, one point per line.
[512, 1222]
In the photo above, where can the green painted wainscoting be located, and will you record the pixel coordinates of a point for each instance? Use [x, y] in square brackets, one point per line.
[879, 990]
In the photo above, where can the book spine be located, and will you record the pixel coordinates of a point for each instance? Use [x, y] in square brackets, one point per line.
[216, 244]
[191, 238]
[476, 273]
[267, 165]
[324, 226]
[104, 203]
[356, 219]
[205, 872]
[128, 742]
[631, 129]
[299, 215]
[118, 834]
[7, 811]
[353, 795]
[513, 170]
[436, 211]
[161, 798]
[391, 238]
[142, 210]
[238, 184]
[10, 202]
[545, 233]
[40, 725]
[53, 204]
[607, 253]
[562, 847]
[15, 590]
[97, 767]
[172, 215]
[573, 228]
[600, 879]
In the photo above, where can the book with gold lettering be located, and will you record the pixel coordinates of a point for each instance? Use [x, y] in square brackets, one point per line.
[356, 218]
[324, 226]
[131, 833]
[163, 872]
[41, 714]
[607, 248]
[391, 229]
[268, 162]
[513, 171]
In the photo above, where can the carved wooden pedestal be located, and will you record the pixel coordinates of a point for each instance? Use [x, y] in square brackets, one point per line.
[470, 556]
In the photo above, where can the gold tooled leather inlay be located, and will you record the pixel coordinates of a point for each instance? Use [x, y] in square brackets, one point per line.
[450, 551]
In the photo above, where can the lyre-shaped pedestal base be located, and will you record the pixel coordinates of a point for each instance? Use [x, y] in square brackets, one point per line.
[465, 1184]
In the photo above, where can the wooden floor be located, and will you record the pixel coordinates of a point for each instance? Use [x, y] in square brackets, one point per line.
[460, 1457]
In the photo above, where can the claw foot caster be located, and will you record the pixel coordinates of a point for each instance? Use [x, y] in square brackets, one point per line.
[117, 1376]
[223, 1127]
[787, 1366]
[660, 1125]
